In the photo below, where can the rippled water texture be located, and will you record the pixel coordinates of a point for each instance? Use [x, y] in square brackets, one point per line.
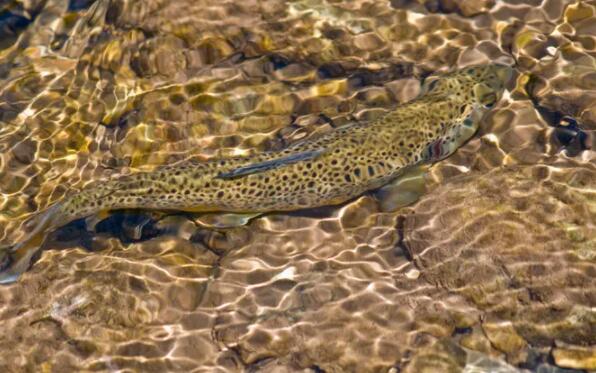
[493, 270]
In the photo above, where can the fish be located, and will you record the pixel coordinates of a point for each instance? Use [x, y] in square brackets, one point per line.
[387, 156]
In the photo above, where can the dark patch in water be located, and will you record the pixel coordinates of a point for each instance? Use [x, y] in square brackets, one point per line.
[58, 41]
[71, 231]
[438, 6]
[278, 61]
[567, 134]
[11, 26]
[446, 6]
[364, 78]
[323, 212]
[331, 70]
[333, 33]
[541, 362]
[122, 123]
[76, 5]
[74, 233]
[400, 4]
[317, 369]
[572, 138]
[459, 331]
[401, 249]
[328, 120]
[114, 10]
[105, 36]
[6, 260]
[138, 65]
[125, 119]
[128, 227]
[235, 58]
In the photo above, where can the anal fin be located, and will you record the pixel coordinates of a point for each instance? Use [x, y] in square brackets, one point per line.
[225, 220]
[403, 190]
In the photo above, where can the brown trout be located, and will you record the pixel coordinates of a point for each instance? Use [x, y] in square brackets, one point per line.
[385, 155]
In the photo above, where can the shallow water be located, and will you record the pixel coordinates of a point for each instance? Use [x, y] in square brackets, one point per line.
[493, 270]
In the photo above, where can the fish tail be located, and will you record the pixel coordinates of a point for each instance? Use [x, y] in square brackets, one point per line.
[16, 259]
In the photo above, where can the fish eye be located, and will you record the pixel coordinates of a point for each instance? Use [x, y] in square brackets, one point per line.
[471, 71]
[429, 84]
[433, 84]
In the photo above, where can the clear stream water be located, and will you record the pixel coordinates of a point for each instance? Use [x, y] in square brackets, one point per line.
[492, 270]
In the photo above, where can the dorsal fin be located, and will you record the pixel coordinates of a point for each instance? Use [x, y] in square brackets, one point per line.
[257, 167]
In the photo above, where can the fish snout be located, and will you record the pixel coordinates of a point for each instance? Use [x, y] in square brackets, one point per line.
[504, 73]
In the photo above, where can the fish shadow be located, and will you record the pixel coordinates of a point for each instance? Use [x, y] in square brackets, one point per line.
[126, 226]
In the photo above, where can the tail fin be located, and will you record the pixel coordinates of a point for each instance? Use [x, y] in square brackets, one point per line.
[16, 259]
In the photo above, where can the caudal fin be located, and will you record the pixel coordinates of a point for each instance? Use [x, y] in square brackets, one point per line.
[17, 259]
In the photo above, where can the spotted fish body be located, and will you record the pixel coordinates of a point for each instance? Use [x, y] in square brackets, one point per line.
[324, 170]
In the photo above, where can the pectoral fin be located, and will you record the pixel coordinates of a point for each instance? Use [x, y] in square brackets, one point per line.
[225, 220]
[403, 190]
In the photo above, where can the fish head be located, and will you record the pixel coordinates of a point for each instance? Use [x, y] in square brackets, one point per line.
[465, 95]
[489, 82]
[481, 85]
